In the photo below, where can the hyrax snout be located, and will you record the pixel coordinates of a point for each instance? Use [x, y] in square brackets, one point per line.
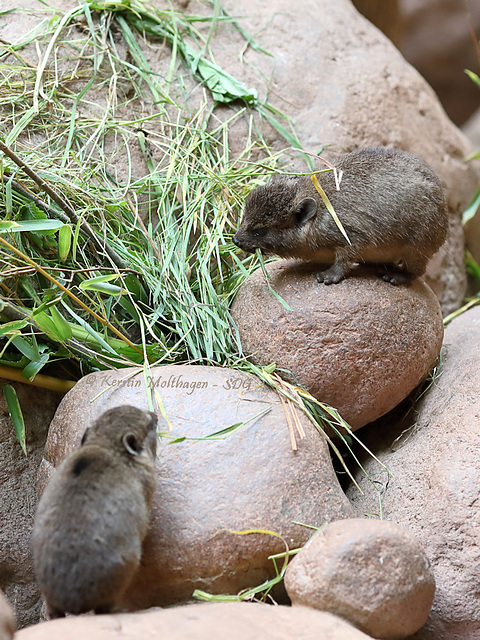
[94, 513]
[391, 204]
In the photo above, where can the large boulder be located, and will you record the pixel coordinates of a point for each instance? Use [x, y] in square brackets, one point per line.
[208, 621]
[361, 345]
[210, 486]
[372, 573]
[435, 461]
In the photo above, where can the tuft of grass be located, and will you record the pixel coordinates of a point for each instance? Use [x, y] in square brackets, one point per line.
[106, 269]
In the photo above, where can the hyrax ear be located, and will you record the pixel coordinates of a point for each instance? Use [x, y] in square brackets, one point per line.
[305, 210]
[85, 436]
[131, 444]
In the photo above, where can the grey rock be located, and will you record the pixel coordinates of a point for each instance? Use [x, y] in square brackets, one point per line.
[208, 621]
[434, 458]
[372, 573]
[18, 497]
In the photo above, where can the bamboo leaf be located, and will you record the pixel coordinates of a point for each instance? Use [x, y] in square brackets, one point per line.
[16, 415]
[30, 371]
[31, 225]
[62, 327]
[65, 235]
[30, 351]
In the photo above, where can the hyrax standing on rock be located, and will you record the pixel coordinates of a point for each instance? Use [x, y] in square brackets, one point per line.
[390, 203]
[93, 515]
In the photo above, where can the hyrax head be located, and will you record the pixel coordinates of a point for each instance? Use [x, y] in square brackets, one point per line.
[274, 216]
[126, 429]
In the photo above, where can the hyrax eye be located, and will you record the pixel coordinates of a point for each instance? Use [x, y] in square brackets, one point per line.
[260, 233]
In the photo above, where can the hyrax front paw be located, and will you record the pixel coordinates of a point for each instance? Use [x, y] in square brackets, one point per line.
[329, 277]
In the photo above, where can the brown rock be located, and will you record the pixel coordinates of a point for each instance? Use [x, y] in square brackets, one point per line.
[437, 40]
[385, 15]
[208, 621]
[361, 345]
[372, 573]
[7, 621]
[249, 479]
[434, 490]
[18, 497]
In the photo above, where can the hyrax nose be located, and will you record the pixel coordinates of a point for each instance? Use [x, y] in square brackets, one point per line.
[237, 240]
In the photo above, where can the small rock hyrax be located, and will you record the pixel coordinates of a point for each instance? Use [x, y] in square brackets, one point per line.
[94, 514]
[391, 204]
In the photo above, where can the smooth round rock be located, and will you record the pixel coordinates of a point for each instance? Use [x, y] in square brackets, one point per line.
[207, 621]
[360, 346]
[249, 478]
[373, 573]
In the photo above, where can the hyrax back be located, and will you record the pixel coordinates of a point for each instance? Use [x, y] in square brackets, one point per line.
[93, 515]
[391, 204]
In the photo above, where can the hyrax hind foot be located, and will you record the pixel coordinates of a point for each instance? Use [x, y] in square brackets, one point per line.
[397, 278]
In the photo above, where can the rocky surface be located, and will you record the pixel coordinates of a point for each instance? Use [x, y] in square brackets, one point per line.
[471, 128]
[437, 40]
[233, 620]
[248, 479]
[434, 491]
[7, 621]
[370, 572]
[18, 496]
[361, 345]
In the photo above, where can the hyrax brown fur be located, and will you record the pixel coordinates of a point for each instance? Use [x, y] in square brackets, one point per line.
[93, 515]
[391, 204]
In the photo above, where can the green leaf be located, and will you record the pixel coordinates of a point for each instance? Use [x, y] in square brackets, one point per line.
[7, 225]
[276, 295]
[101, 284]
[46, 324]
[472, 208]
[29, 351]
[12, 327]
[63, 328]
[64, 241]
[31, 225]
[16, 415]
[30, 371]
[96, 336]
[473, 76]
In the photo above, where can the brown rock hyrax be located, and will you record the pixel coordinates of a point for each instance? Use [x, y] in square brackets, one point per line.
[93, 515]
[390, 203]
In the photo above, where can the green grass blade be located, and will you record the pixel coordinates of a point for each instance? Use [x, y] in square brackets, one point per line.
[16, 415]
